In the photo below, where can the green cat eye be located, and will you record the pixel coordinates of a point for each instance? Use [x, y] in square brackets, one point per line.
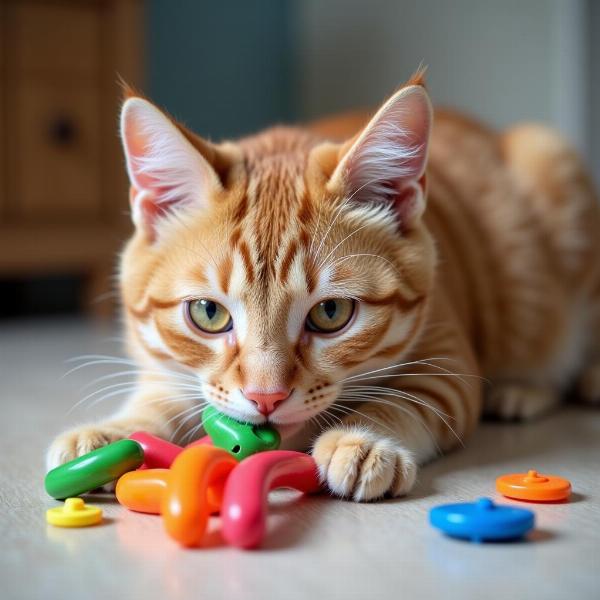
[209, 316]
[330, 315]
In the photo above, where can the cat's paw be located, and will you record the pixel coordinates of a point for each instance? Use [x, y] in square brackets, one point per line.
[79, 441]
[519, 401]
[359, 464]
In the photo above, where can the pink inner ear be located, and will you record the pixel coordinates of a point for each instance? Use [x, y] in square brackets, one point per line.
[405, 204]
[150, 211]
[137, 148]
[149, 208]
[409, 201]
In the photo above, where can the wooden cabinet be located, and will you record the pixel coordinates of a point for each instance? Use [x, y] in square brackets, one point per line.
[56, 173]
[63, 191]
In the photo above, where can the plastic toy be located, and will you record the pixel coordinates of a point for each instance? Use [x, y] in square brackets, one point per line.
[158, 453]
[534, 487]
[244, 509]
[142, 490]
[239, 439]
[202, 479]
[93, 470]
[482, 520]
[185, 506]
[74, 513]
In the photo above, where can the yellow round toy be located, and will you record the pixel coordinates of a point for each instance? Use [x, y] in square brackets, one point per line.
[74, 513]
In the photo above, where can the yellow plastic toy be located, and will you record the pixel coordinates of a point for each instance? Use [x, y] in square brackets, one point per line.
[74, 513]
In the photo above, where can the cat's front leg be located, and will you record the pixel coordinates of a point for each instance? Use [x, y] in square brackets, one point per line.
[359, 463]
[85, 438]
[376, 450]
[147, 411]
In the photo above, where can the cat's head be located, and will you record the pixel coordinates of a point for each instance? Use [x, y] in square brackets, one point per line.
[277, 266]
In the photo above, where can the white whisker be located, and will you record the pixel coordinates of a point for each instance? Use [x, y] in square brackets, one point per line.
[398, 365]
[339, 211]
[168, 377]
[320, 265]
[358, 412]
[347, 256]
[403, 409]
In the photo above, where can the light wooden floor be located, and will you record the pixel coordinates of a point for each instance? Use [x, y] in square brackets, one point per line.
[317, 547]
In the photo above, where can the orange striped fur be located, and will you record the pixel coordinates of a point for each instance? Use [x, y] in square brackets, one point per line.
[497, 281]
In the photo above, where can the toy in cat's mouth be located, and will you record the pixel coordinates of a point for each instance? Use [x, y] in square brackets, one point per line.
[261, 435]
[240, 439]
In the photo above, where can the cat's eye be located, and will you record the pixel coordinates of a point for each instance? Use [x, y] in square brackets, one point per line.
[209, 316]
[330, 315]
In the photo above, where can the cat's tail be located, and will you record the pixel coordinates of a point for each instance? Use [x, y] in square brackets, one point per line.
[557, 181]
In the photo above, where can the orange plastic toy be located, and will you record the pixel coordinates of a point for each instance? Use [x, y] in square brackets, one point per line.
[143, 490]
[534, 487]
[185, 503]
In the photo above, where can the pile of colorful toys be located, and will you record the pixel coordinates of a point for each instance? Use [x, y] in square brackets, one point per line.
[186, 485]
[231, 471]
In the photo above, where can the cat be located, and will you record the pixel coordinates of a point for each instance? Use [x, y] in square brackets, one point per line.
[369, 286]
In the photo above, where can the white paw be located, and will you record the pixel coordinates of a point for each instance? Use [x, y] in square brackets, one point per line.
[519, 401]
[359, 464]
[79, 441]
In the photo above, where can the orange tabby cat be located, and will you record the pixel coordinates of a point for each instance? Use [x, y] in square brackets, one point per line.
[291, 279]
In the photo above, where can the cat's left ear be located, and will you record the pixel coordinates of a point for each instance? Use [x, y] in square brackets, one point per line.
[166, 170]
[387, 160]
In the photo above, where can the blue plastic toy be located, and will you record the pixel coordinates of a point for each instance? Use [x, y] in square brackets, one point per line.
[482, 520]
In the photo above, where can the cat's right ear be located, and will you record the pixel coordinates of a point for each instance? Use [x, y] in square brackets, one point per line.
[166, 170]
[387, 160]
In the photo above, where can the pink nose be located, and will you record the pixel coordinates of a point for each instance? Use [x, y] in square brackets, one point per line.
[266, 403]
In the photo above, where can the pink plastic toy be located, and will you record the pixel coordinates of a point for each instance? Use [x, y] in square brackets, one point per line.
[158, 453]
[244, 508]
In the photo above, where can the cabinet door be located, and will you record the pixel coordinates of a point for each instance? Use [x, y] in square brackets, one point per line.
[3, 185]
[56, 37]
[55, 145]
[53, 139]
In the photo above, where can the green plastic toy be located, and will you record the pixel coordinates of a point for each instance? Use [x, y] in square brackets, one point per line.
[239, 439]
[93, 470]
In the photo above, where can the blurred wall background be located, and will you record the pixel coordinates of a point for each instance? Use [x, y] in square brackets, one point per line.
[230, 68]
[235, 67]
[503, 61]
[225, 68]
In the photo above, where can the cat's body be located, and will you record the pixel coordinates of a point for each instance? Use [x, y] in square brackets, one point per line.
[498, 279]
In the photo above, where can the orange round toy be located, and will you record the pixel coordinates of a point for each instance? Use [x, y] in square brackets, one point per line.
[534, 487]
[185, 504]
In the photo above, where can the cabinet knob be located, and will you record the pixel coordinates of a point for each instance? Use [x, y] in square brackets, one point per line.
[62, 130]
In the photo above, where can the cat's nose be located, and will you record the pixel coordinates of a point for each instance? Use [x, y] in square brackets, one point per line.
[266, 403]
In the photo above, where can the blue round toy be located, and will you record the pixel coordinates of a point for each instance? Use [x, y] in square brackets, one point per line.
[482, 520]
